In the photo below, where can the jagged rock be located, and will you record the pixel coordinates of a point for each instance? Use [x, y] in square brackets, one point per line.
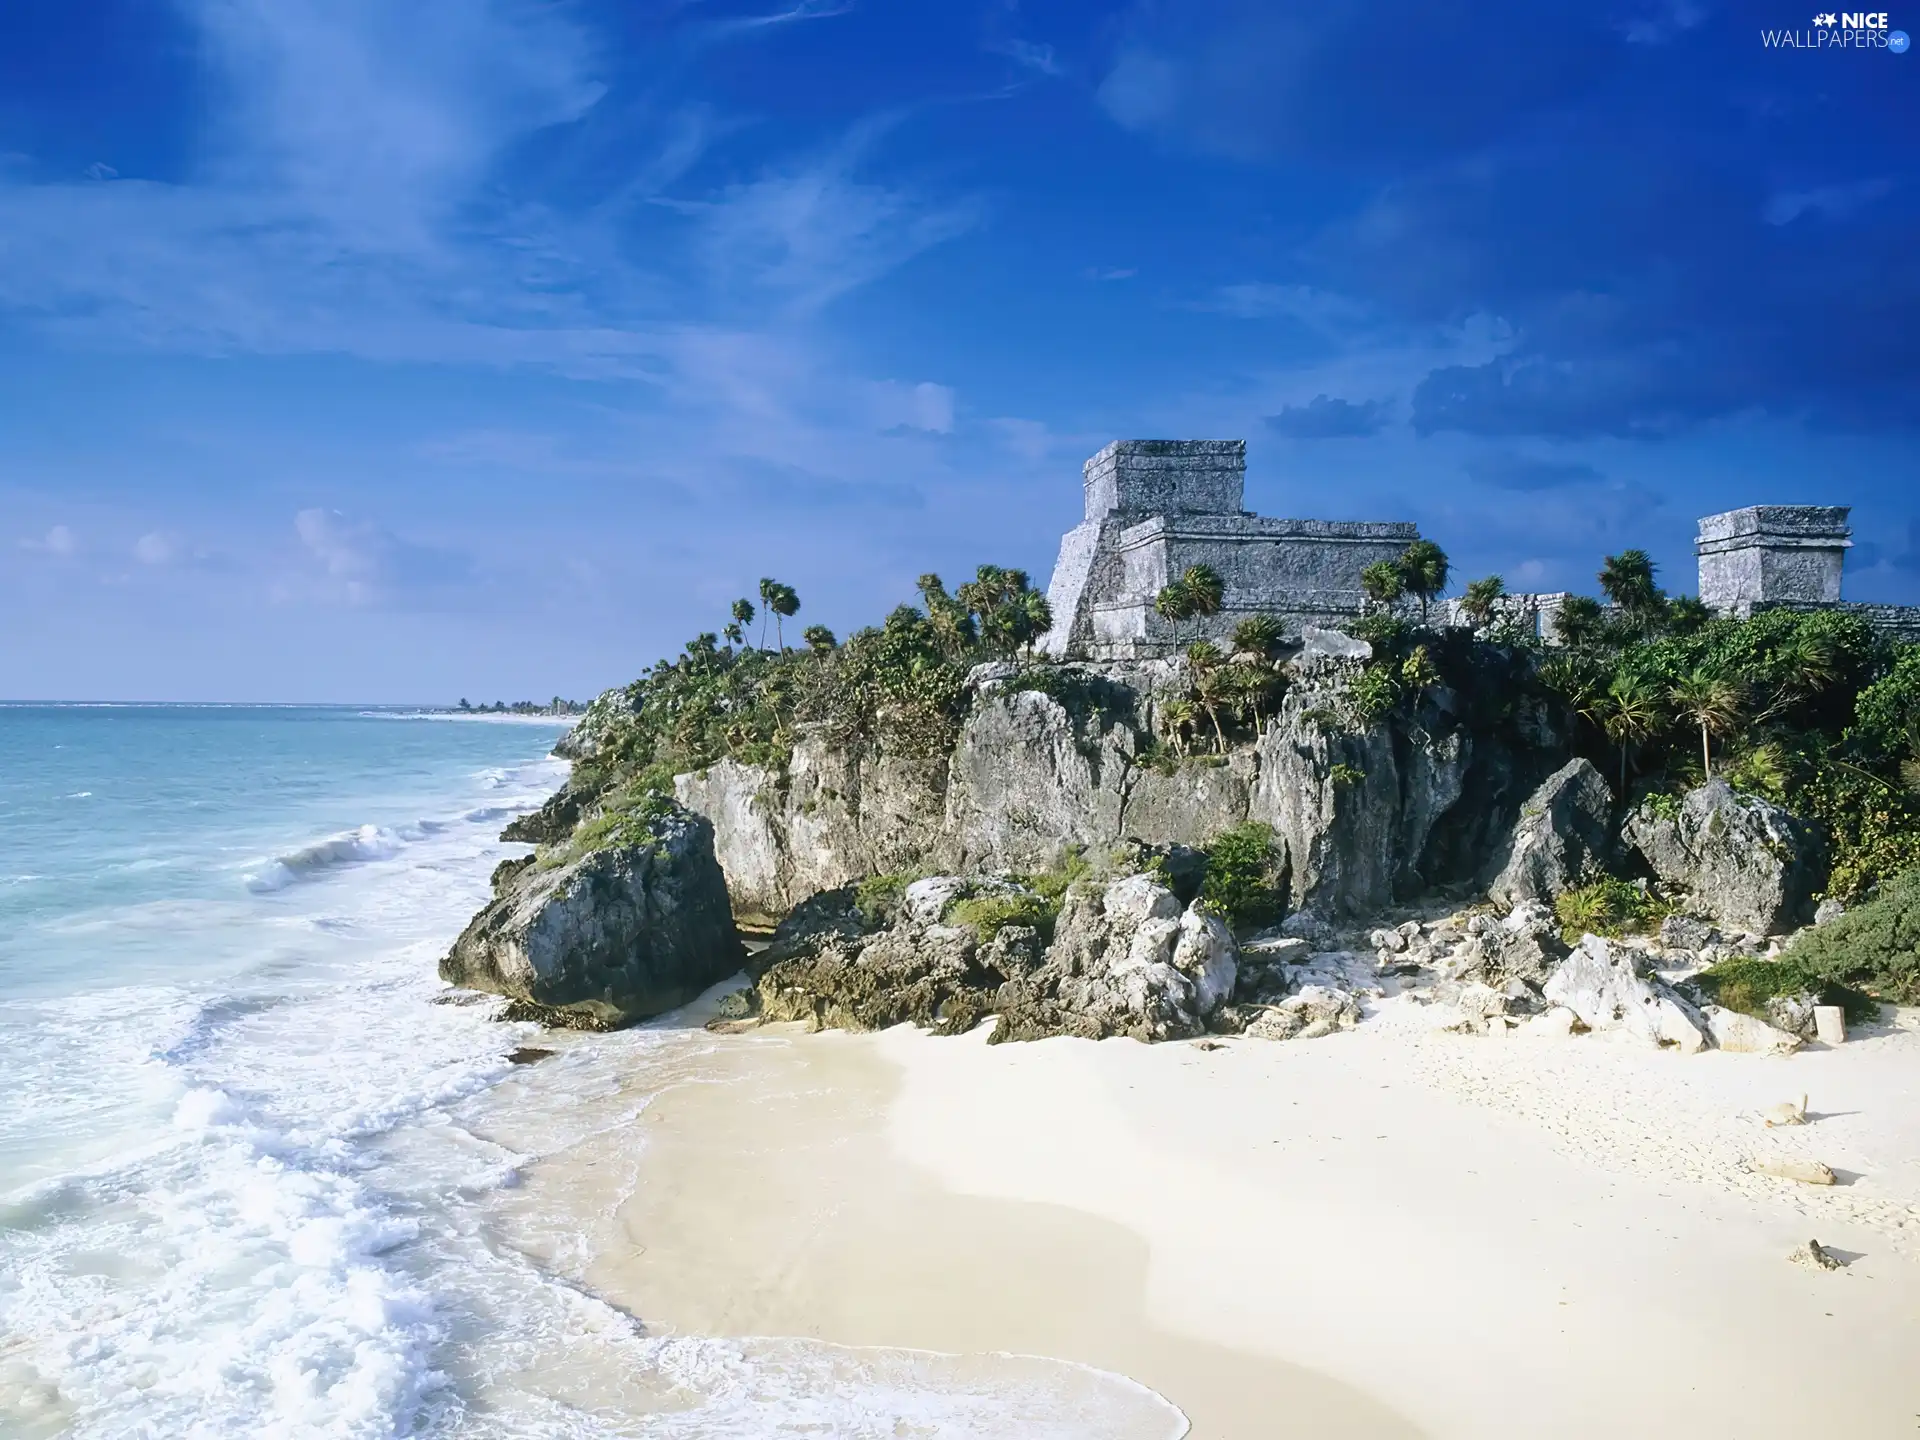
[1390, 941]
[1794, 1013]
[1314, 1011]
[1745, 860]
[608, 937]
[1563, 832]
[552, 822]
[1827, 911]
[1743, 1034]
[1556, 1023]
[1126, 959]
[1686, 932]
[1316, 643]
[927, 900]
[504, 872]
[1600, 984]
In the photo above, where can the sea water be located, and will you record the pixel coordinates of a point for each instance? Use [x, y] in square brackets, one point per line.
[242, 1187]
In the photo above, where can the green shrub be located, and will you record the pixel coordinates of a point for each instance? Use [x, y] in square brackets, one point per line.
[1746, 983]
[1875, 949]
[879, 897]
[1243, 876]
[1343, 775]
[992, 912]
[1610, 907]
[629, 818]
[1053, 884]
[1375, 693]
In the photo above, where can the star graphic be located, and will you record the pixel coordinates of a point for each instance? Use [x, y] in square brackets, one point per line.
[1827, 19]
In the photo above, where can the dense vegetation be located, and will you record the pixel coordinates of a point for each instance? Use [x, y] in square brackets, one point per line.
[725, 697]
[1810, 709]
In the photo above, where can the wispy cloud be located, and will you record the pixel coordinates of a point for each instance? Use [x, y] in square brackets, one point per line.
[59, 541]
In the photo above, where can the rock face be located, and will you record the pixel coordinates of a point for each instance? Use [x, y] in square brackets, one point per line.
[1743, 1034]
[617, 935]
[1564, 830]
[1125, 959]
[1747, 862]
[1600, 983]
[1363, 811]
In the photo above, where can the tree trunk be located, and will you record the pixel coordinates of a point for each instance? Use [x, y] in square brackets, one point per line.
[1706, 751]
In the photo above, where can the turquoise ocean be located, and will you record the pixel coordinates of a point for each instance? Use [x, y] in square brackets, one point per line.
[258, 1180]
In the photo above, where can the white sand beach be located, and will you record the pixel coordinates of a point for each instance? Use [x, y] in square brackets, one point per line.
[1382, 1233]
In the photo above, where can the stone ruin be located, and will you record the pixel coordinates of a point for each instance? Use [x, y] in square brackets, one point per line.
[1156, 507]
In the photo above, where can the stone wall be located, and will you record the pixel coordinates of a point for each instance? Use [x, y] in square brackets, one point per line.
[1767, 553]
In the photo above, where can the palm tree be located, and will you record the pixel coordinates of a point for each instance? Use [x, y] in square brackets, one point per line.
[1579, 621]
[1384, 582]
[1627, 580]
[1173, 605]
[1206, 591]
[768, 585]
[818, 637]
[1177, 717]
[1713, 702]
[1687, 615]
[1630, 714]
[1035, 615]
[1258, 635]
[743, 610]
[1481, 598]
[1209, 684]
[1425, 567]
[733, 633]
[783, 601]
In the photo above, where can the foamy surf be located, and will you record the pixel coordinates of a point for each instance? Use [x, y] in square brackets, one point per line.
[243, 1197]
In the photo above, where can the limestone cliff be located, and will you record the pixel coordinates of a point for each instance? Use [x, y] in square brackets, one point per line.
[1060, 756]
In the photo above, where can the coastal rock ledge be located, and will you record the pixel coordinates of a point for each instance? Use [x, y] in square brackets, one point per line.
[603, 936]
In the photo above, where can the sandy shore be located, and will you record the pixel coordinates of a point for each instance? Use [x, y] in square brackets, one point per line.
[1385, 1233]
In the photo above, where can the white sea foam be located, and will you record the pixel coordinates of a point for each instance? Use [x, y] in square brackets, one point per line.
[257, 1201]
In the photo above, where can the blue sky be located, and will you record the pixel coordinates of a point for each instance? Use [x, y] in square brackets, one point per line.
[357, 351]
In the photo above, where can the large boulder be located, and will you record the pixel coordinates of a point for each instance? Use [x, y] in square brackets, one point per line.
[611, 935]
[1745, 861]
[1602, 984]
[1565, 831]
[1126, 960]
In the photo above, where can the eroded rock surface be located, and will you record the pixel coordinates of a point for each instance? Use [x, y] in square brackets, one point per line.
[1564, 834]
[1746, 862]
[617, 935]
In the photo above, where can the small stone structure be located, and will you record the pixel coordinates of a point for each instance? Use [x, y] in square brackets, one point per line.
[1154, 508]
[1772, 554]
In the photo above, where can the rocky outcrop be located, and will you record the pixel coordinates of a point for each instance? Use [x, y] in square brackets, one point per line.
[1564, 833]
[1744, 1034]
[605, 938]
[1604, 985]
[1066, 756]
[1747, 862]
[1125, 959]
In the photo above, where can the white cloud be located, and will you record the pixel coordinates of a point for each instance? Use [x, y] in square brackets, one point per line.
[1828, 202]
[815, 231]
[925, 406]
[362, 564]
[58, 541]
[156, 548]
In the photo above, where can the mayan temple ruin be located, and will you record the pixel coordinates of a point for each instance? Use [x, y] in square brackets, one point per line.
[1154, 508]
